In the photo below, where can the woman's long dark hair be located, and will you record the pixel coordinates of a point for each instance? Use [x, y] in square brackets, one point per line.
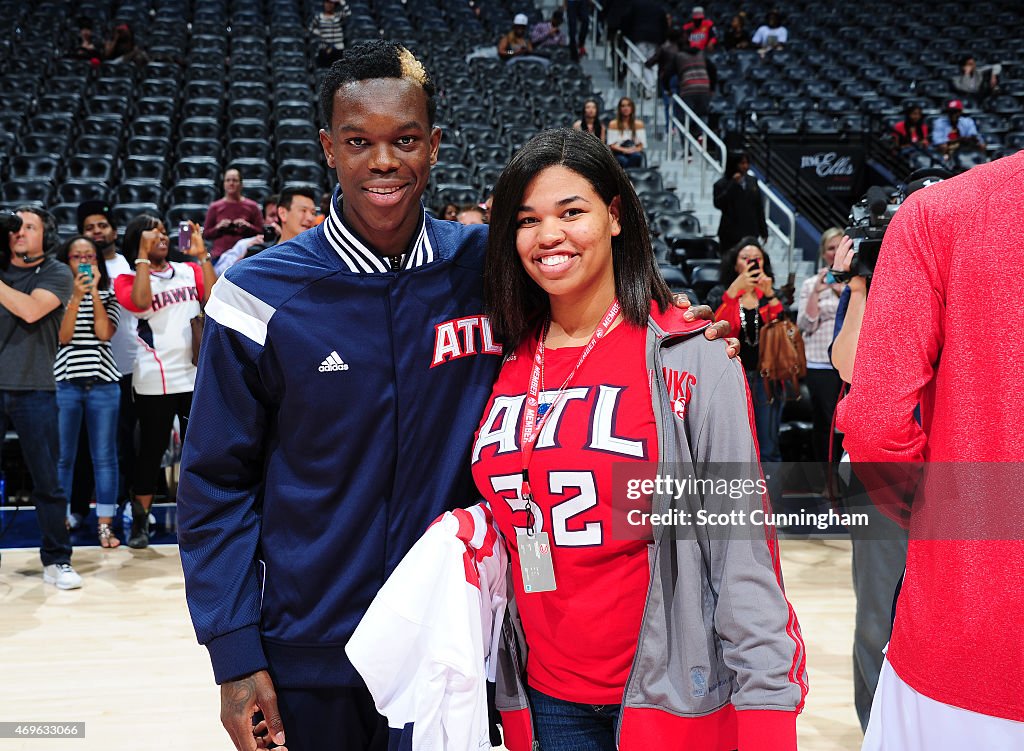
[65, 250]
[514, 301]
[911, 128]
[727, 271]
[594, 127]
[133, 235]
[630, 124]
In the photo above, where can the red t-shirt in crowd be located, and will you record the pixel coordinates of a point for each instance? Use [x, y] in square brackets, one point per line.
[582, 636]
[220, 209]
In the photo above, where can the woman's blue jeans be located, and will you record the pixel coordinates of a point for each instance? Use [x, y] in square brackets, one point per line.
[97, 403]
[567, 726]
[767, 418]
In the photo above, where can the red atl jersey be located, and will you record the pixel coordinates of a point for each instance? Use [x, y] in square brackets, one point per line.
[582, 636]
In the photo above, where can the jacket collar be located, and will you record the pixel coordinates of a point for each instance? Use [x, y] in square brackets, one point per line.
[671, 322]
[359, 257]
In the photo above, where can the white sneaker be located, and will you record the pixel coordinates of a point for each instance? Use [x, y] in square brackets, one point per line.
[62, 576]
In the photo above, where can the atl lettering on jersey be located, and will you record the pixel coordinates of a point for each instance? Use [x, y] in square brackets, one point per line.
[500, 426]
[462, 337]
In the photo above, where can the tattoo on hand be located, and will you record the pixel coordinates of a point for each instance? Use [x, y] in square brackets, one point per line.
[242, 695]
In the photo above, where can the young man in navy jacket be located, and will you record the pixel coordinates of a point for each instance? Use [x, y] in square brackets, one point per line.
[342, 377]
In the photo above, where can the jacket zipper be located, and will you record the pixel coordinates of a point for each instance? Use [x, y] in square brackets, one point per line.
[657, 550]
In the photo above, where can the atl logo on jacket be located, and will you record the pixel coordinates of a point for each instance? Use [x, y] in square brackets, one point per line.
[680, 388]
[462, 337]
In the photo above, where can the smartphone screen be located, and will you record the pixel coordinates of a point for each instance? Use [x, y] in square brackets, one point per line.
[184, 236]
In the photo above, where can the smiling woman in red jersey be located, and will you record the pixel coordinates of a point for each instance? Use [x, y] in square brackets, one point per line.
[631, 636]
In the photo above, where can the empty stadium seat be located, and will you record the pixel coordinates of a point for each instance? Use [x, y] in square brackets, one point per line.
[76, 191]
[249, 148]
[300, 171]
[199, 147]
[307, 150]
[197, 168]
[148, 146]
[151, 168]
[193, 191]
[139, 191]
[195, 212]
[123, 213]
[87, 167]
[199, 127]
[32, 166]
[27, 190]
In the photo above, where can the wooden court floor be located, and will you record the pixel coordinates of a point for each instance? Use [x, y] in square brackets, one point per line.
[120, 654]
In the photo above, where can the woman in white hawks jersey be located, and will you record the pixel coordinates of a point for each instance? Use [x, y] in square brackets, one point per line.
[164, 296]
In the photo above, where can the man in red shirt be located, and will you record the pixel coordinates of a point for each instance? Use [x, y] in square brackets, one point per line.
[700, 31]
[954, 670]
[232, 217]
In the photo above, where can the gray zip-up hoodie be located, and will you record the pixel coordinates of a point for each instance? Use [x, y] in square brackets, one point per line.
[720, 662]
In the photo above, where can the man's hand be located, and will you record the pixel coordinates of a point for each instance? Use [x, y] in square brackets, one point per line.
[718, 330]
[240, 700]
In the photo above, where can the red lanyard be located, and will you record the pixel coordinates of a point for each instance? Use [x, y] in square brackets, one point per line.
[531, 425]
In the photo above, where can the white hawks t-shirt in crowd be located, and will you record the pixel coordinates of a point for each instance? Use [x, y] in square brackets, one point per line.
[163, 363]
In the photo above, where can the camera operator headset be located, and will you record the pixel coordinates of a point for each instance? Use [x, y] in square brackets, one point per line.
[19, 300]
[10, 225]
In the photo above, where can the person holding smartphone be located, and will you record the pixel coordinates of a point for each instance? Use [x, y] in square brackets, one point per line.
[164, 296]
[748, 303]
[816, 315]
[87, 378]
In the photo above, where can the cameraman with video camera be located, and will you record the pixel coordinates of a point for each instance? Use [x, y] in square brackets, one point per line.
[34, 290]
[880, 548]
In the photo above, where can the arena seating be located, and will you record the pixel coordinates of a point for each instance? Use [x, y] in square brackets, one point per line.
[854, 67]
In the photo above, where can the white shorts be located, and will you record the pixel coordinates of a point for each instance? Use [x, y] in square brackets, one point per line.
[904, 720]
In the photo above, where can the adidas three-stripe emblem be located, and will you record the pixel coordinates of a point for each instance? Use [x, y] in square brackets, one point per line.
[333, 362]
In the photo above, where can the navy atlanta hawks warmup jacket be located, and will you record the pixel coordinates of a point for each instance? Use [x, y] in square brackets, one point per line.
[333, 415]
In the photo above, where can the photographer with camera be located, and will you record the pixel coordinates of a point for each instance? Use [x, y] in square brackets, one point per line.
[953, 669]
[34, 289]
[880, 548]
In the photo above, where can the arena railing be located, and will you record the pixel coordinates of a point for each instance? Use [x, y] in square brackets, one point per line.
[696, 149]
[627, 64]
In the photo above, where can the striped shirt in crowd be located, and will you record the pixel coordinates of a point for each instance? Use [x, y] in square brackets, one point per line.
[85, 356]
[329, 29]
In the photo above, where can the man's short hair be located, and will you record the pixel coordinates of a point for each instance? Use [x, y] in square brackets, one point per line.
[51, 238]
[284, 199]
[271, 200]
[365, 61]
[93, 207]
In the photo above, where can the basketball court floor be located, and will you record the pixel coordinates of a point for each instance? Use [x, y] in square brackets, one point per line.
[120, 654]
